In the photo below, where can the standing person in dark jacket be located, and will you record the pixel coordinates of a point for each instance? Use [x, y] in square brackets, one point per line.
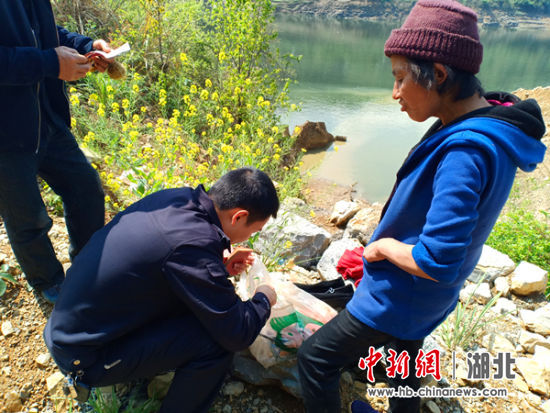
[150, 291]
[448, 194]
[36, 57]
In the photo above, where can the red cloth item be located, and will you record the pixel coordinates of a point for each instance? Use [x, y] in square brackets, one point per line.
[350, 264]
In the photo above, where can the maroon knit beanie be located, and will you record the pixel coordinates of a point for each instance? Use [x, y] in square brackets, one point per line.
[442, 31]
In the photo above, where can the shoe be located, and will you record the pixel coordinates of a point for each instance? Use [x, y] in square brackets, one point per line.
[51, 294]
[359, 406]
[336, 297]
[321, 286]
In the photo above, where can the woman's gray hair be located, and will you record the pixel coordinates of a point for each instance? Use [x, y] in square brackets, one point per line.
[460, 83]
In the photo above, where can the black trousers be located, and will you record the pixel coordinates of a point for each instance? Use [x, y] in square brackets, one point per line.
[179, 344]
[61, 163]
[340, 343]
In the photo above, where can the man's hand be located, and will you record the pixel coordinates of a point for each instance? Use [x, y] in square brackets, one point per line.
[100, 63]
[239, 260]
[269, 292]
[72, 65]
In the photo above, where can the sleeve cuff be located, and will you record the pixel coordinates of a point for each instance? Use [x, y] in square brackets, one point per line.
[50, 63]
[261, 298]
[424, 259]
[87, 46]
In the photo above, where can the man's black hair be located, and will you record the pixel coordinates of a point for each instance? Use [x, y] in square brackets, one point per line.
[249, 189]
[461, 83]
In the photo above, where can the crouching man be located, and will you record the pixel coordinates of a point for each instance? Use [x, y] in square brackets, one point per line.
[150, 291]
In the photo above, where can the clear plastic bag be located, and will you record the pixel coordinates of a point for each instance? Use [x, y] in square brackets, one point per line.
[296, 316]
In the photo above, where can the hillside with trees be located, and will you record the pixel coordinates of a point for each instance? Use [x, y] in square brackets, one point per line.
[492, 10]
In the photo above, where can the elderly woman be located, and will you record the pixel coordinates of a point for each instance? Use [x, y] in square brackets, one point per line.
[447, 197]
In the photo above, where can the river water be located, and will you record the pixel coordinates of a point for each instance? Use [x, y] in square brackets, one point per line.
[345, 80]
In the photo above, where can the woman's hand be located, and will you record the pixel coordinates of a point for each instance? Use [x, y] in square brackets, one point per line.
[396, 252]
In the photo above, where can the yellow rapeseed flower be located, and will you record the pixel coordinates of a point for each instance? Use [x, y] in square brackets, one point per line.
[74, 100]
[207, 83]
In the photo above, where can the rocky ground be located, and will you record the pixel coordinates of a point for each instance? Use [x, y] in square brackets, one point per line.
[29, 379]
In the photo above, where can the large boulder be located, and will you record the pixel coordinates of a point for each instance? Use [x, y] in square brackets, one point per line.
[343, 211]
[363, 224]
[491, 264]
[537, 321]
[329, 260]
[313, 135]
[293, 237]
[528, 278]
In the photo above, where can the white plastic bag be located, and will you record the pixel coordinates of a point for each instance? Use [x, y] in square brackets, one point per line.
[296, 316]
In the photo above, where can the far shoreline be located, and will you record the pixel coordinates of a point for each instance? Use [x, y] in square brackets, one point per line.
[494, 19]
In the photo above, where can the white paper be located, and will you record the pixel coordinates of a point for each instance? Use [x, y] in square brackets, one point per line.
[115, 52]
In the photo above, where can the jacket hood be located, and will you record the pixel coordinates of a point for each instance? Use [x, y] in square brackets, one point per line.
[515, 125]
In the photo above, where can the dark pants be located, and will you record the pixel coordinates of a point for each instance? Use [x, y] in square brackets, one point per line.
[340, 343]
[61, 163]
[179, 344]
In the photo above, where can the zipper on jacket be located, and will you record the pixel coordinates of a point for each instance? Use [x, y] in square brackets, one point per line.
[38, 101]
[63, 88]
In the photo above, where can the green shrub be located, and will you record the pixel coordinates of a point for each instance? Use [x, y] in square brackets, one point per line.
[203, 94]
[523, 237]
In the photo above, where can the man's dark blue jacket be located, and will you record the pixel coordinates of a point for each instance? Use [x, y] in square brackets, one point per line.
[161, 258]
[29, 70]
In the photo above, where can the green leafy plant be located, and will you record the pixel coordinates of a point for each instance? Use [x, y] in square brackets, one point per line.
[464, 325]
[523, 237]
[101, 403]
[203, 94]
[5, 276]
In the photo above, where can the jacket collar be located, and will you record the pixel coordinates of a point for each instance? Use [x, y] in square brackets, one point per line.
[206, 203]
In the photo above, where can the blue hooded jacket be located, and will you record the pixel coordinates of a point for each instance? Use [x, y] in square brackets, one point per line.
[448, 195]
